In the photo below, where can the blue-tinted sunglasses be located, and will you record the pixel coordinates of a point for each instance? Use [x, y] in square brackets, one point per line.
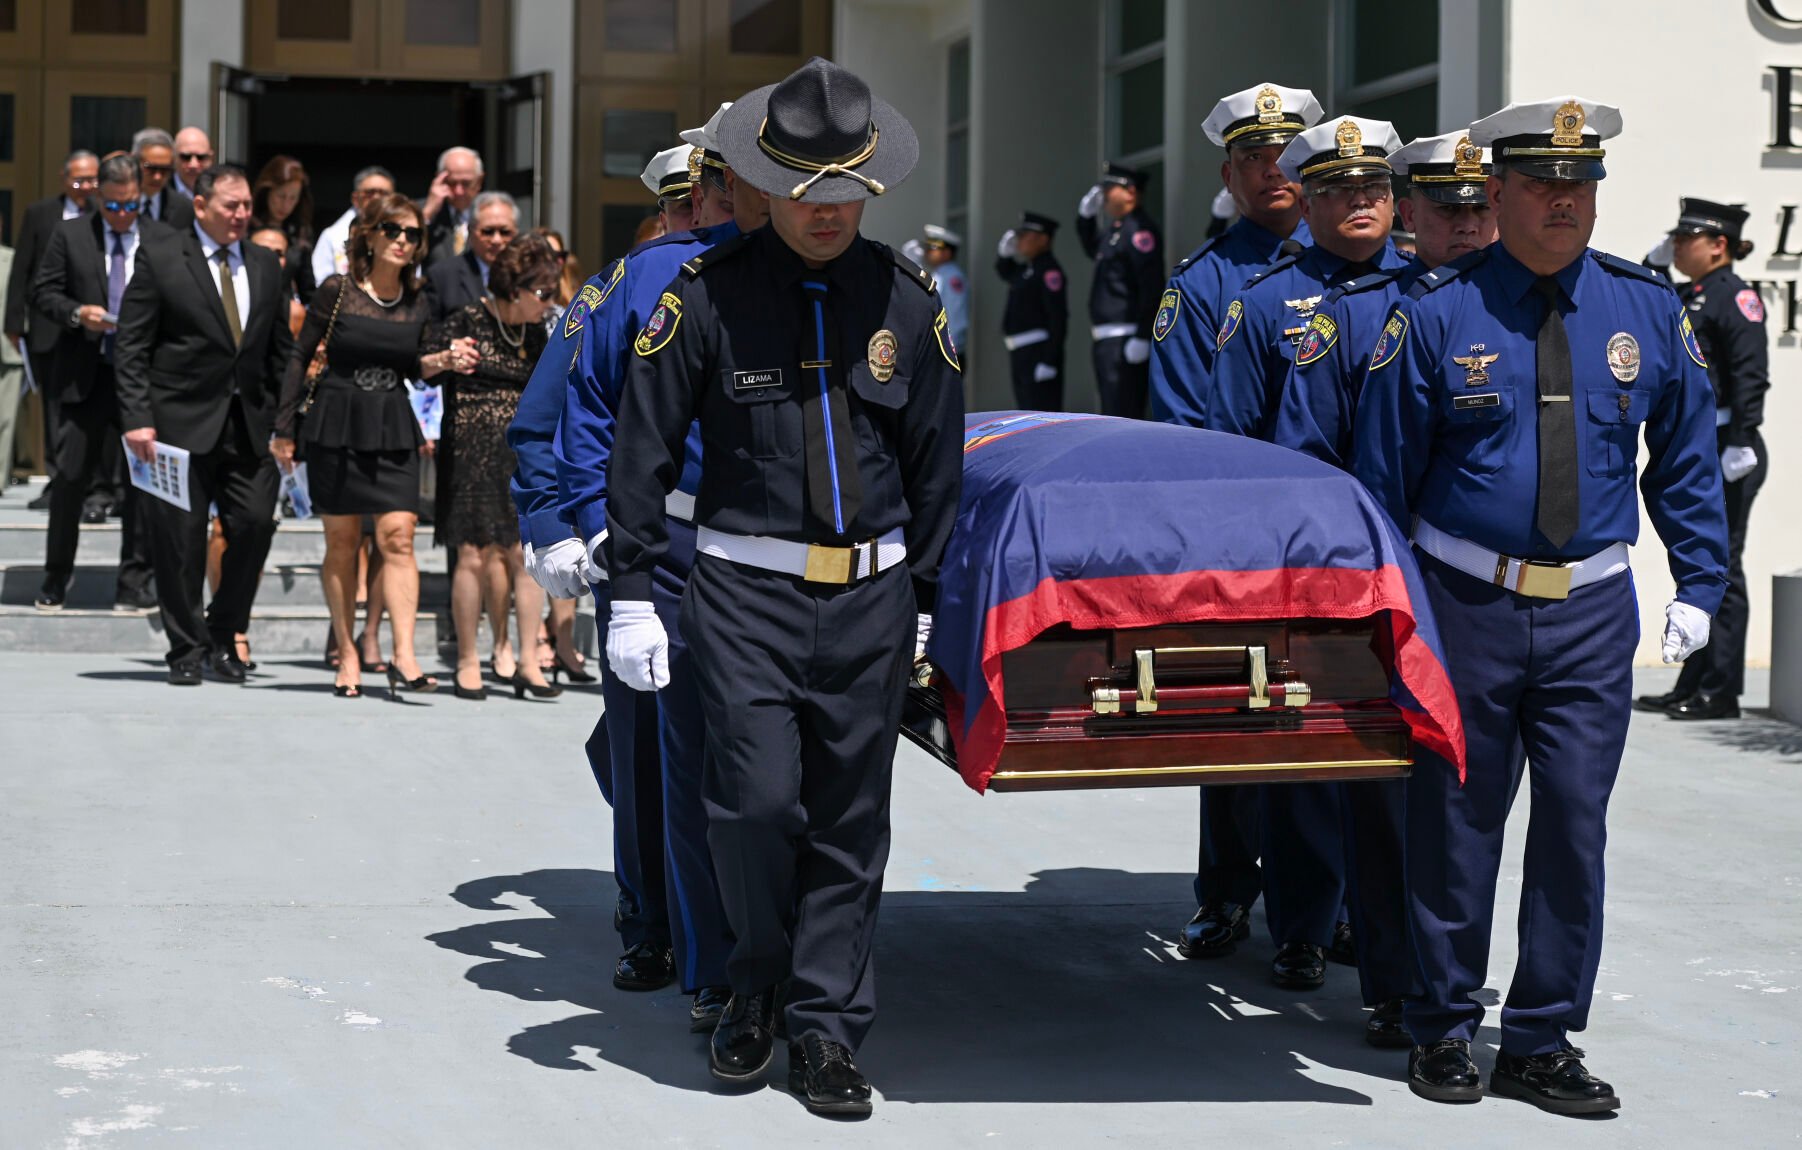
[122, 205]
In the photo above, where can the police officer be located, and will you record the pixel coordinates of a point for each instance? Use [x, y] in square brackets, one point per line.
[938, 254]
[1037, 318]
[1252, 127]
[826, 385]
[1129, 270]
[668, 177]
[1500, 424]
[1447, 207]
[1728, 316]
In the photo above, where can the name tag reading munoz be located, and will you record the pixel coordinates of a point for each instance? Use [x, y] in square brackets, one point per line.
[1485, 399]
[756, 380]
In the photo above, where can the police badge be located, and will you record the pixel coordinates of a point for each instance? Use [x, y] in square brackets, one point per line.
[1623, 356]
[1476, 365]
[883, 350]
[1350, 139]
[1270, 105]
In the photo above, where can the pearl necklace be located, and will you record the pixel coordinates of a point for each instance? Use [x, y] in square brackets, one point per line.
[369, 290]
[517, 342]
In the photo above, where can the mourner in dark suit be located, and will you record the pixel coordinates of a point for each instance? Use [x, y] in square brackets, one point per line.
[30, 332]
[79, 288]
[203, 340]
[155, 153]
[453, 284]
[449, 205]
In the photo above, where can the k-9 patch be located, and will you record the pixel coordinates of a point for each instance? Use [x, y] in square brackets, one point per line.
[1390, 341]
[661, 327]
[1750, 305]
[1317, 341]
[1235, 312]
[1168, 307]
[1688, 335]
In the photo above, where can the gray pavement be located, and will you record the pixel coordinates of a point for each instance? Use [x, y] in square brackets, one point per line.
[264, 917]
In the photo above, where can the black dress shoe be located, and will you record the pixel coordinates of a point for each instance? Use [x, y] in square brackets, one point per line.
[647, 966]
[1705, 707]
[185, 673]
[42, 502]
[1216, 929]
[1384, 1029]
[743, 1042]
[141, 599]
[93, 516]
[1659, 704]
[709, 1003]
[50, 598]
[1344, 949]
[1443, 1072]
[224, 665]
[1299, 966]
[822, 1073]
[1556, 1082]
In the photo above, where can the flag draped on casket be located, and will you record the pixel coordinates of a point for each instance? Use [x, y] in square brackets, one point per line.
[1112, 523]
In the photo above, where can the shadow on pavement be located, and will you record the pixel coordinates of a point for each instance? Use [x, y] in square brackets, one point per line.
[1760, 731]
[1065, 992]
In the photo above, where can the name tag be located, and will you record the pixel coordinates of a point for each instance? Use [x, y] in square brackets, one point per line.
[753, 380]
[1485, 399]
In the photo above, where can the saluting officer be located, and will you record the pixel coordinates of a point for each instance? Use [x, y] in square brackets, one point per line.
[822, 372]
[1252, 127]
[1037, 318]
[1728, 316]
[1129, 270]
[1500, 424]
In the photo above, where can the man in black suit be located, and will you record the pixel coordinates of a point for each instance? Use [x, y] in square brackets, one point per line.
[451, 284]
[449, 205]
[155, 152]
[202, 343]
[29, 331]
[79, 288]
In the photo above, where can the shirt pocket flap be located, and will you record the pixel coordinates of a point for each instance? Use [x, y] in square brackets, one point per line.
[1619, 406]
[890, 393]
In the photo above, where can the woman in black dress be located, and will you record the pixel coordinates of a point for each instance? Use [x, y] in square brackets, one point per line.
[475, 514]
[282, 198]
[358, 436]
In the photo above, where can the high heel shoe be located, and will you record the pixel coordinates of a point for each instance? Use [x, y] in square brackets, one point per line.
[375, 667]
[573, 674]
[478, 693]
[521, 685]
[347, 690]
[398, 682]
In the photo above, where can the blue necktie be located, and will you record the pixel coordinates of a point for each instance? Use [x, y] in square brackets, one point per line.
[834, 487]
[115, 291]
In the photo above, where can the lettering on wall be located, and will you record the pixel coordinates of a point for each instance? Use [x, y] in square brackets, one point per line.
[1775, 14]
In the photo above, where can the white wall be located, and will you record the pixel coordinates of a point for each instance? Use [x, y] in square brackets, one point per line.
[544, 40]
[211, 31]
[1694, 94]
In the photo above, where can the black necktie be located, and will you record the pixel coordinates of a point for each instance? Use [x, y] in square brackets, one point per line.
[834, 490]
[1557, 515]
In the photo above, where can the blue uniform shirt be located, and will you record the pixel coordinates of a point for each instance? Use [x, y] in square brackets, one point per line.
[1457, 444]
[598, 372]
[1260, 329]
[1188, 320]
[1314, 415]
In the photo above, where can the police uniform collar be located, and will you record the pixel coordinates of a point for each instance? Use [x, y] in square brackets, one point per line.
[788, 266]
[1517, 279]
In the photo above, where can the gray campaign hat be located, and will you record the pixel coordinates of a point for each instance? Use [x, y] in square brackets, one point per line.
[819, 137]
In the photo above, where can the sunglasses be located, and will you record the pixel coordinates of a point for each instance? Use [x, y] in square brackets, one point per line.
[498, 231]
[194, 157]
[159, 169]
[394, 231]
[80, 183]
[122, 205]
[544, 293]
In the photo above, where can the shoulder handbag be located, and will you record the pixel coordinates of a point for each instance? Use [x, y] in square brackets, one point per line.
[316, 366]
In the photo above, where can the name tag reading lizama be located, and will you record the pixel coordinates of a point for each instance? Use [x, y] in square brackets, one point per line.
[753, 380]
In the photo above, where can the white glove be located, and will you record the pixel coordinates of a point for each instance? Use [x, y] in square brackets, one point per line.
[1685, 631]
[561, 569]
[1738, 462]
[1043, 371]
[1091, 203]
[1224, 207]
[1009, 247]
[1138, 350]
[637, 646]
[922, 632]
[1662, 255]
[914, 250]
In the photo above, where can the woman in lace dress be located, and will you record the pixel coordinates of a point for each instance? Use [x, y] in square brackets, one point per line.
[475, 514]
[358, 435]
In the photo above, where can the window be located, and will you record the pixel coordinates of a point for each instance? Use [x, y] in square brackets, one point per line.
[1135, 93]
[110, 17]
[313, 20]
[105, 124]
[9, 15]
[619, 226]
[957, 137]
[766, 27]
[641, 26]
[1388, 66]
[444, 23]
[630, 138]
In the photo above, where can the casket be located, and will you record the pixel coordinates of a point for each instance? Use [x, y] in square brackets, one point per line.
[1132, 604]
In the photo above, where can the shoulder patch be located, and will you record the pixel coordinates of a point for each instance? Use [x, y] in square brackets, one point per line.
[941, 331]
[1169, 307]
[907, 267]
[590, 298]
[1688, 335]
[1145, 241]
[660, 328]
[1235, 312]
[695, 265]
[1054, 279]
[1273, 267]
[1750, 305]
[1317, 340]
[1390, 341]
[1628, 268]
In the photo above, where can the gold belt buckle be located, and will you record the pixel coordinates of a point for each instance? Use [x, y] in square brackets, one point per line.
[1543, 581]
[828, 564]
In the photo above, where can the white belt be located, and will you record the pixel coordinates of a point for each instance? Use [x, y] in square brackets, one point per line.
[1526, 577]
[679, 505]
[811, 561]
[1114, 330]
[1723, 416]
[1025, 338]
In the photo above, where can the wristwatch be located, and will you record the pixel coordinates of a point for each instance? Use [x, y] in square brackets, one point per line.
[75, 317]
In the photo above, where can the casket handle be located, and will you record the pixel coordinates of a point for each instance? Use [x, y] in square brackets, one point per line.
[1108, 700]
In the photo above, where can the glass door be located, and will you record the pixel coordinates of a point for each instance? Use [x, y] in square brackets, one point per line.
[520, 143]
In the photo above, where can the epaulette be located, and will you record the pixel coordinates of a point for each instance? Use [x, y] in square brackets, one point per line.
[1207, 246]
[1446, 273]
[694, 266]
[906, 267]
[1628, 268]
[1271, 269]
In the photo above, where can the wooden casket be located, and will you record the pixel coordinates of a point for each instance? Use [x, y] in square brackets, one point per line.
[1241, 643]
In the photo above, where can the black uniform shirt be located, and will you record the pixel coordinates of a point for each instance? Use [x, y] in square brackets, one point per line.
[1728, 317]
[1036, 301]
[726, 346]
[1129, 269]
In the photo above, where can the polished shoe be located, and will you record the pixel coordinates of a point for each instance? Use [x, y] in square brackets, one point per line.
[93, 516]
[574, 674]
[1704, 707]
[646, 966]
[1384, 1029]
[42, 502]
[521, 685]
[1443, 1072]
[709, 1003]
[141, 600]
[1216, 929]
[1344, 949]
[822, 1073]
[1661, 704]
[50, 598]
[185, 673]
[224, 665]
[1555, 1082]
[1299, 966]
[743, 1041]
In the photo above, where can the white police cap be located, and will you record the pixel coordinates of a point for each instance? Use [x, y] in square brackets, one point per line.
[1447, 168]
[936, 235]
[667, 173]
[1264, 114]
[1556, 139]
[1347, 146]
[705, 138]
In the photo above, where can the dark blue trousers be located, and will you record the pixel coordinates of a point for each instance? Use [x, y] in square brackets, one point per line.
[1375, 889]
[624, 754]
[1304, 861]
[1230, 829]
[1552, 678]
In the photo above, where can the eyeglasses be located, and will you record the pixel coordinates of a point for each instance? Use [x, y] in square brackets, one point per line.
[498, 230]
[394, 231]
[85, 183]
[560, 257]
[544, 293]
[194, 157]
[158, 169]
[122, 205]
[1373, 190]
